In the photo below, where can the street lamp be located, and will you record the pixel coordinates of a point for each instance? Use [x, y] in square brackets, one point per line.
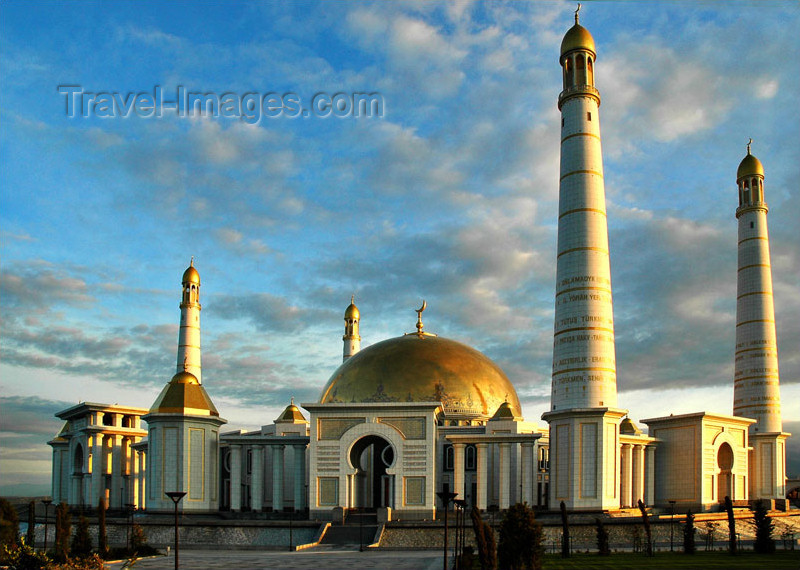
[446, 497]
[46, 503]
[671, 522]
[131, 508]
[176, 497]
[460, 526]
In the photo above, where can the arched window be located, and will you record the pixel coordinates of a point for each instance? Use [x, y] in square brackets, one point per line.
[568, 68]
[580, 70]
[589, 71]
[470, 458]
[449, 458]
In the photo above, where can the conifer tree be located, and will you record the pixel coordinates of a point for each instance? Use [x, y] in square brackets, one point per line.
[82, 542]
[30, 536]
[764, 543]
[731, 525]
[102, 536]
[521, 537]
[484, 537]
[63, 531]
[602, 538]
[688, 534]
[648, 536]
[564, 531]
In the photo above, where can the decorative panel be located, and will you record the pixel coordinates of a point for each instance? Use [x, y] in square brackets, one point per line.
[409, 428]
[328, 491]
[415, 491]
[334, 428]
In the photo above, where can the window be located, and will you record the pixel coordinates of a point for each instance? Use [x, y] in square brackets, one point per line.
[588, 115]
[449, 457]
[470, 458]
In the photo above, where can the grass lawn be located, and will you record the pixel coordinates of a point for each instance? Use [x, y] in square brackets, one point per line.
[701, 561]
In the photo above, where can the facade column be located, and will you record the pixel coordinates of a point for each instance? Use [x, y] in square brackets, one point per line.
[527, 472]
[116, 496]
[638, 475]
[299, 479]
[139, 481]
[650, 475]
[458, 469]
[277, 477]
[257, 479]
[627, 470]
[482, 475]
[505, 475]
[236, 477]
[98, 453]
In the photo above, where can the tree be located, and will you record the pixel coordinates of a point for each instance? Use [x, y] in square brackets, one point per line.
[484, 537]
[764, 543]
[102, 535]
[82, 542]
[30, 536]
[9, 523]
[688, 534]
[646, 520]
[63, 531]
[602, 538]
[521, 537]
[564, 531]
[731, 525]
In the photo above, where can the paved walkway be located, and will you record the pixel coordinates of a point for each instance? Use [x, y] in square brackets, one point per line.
[311, 559]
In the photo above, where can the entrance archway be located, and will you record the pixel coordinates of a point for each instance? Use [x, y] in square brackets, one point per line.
[372, 486]
[724, 478]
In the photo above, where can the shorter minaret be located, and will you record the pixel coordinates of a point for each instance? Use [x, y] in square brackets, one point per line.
[351, 338]
[189, 334]
[756, 384]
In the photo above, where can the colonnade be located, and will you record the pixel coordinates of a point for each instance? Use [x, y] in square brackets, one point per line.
[637, 474]
[506, 447]
[288, 474]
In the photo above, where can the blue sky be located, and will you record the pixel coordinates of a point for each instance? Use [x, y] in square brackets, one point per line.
[451, 196]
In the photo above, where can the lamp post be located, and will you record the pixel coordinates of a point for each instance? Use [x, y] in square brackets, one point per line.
[46, 503]
[671, 522]
[130, 508]
[176, 497]
[460, 525]
[446, 497]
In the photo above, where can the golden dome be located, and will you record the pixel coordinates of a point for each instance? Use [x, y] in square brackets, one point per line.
[749, 166]
[577, 37]
[291, 414]
[184, 395]
[423, 368]
[352, 312]
[191, 275]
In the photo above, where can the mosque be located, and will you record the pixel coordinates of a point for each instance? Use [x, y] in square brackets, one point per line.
[414, 415]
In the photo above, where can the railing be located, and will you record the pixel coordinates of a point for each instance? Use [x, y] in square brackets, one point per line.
[578, 90]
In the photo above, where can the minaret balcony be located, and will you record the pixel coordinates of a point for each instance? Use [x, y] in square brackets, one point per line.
[750, 207]
[576, 90]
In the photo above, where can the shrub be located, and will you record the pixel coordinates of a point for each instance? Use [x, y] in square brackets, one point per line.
[82, 542]
[9, 523]
[521, 536]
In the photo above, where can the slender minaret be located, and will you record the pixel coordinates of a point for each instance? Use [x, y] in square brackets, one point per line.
[584, 369]
[351, 338]
[189, 334]
[583, 418]
[756, 389]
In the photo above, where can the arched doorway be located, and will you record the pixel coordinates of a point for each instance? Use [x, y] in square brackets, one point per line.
[724, 477]
[371, 456]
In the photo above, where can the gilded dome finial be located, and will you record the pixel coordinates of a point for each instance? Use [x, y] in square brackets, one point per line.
[353, 299]
[420, 326]
[292, 401]
[749, 142]
[191, 262]
[576, 12]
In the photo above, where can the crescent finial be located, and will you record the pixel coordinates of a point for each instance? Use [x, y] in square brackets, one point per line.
[424, 306]
[749, 142]
[576, 12]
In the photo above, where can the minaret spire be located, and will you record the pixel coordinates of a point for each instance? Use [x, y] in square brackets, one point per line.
[351, 338]
[756, 384]
[189, 334]
[583, 418]
[576, 12]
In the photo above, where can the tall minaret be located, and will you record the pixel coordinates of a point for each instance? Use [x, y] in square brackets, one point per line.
[351, 338]
[189, 335]
[584, 368]
[583, 418]
[756, 390]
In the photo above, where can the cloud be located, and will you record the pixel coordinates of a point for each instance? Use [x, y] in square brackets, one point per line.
[40, 283]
